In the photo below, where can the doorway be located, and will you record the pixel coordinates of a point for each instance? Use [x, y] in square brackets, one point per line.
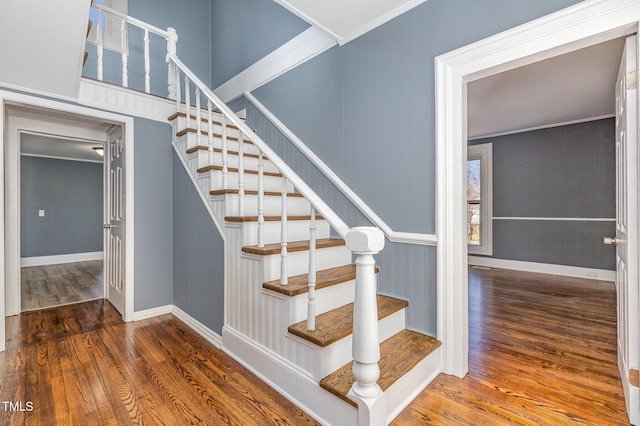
[570, 29]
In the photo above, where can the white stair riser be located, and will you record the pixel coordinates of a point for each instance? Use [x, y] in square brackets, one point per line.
[271, 183]
[327, 299]
[181, 123]
[250, 163]
[338, 354]
[297, 230]
[232, 145]
[298, 262]
[296, 206]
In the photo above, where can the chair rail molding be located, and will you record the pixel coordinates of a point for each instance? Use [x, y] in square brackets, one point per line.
[393, 236]
[581, 25]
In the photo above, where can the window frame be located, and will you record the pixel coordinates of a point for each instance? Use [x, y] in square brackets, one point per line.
[484, 153]
[111, 36]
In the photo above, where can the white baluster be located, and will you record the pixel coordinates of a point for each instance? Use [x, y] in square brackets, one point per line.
[241, 172]
[225, 155]
[311, 307]
[147, 64]
[125, 56]
[172, 80]
[178, 89]
[187, 100]
[100, 48]
[284, 277]
[365, 242]
[210, 149]
[198, 118]
[260, 200]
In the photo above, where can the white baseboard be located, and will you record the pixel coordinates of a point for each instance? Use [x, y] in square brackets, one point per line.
[62, 258]
[296, 387]
[153, 312]
[544, 268]
[210, 335]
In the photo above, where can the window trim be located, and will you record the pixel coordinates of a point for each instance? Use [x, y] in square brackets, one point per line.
[484, 153]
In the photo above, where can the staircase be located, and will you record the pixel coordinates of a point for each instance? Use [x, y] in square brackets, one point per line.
[301, 309]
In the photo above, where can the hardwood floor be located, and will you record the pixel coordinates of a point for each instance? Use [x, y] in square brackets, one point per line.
[80, 364]
[55, 285]
[542, 351]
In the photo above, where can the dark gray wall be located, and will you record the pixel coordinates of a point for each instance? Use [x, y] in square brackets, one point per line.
[560, 172]
[191, 20]
[242, 32]
[367, 109]
[198, 255]
[70, 192]
[153, 213]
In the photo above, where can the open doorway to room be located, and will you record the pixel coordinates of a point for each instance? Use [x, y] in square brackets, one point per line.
[61, 220]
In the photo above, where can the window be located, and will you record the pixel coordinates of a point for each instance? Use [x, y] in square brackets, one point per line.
[479, 199]
[110, 26]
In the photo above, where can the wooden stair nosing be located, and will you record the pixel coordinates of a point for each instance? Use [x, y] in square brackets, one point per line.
[245, 219]
[206, 169]
[338, 323]
[299, 284]
[202, 118]
[292, 246]
[253, 192]
[230, 152]
[183, 132]
[399, 354]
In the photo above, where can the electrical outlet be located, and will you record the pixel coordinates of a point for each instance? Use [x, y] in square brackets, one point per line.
[41, 213]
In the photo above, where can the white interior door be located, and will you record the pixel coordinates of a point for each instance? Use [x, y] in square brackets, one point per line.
[115, 236]
[627, 225]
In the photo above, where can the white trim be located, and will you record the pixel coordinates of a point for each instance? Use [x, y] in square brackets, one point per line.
[546, 126]
[560, 219]
[544, 268]
[152, 312]
[581, 25]
[394, 236]
[128, 123]
[484, 153]
[54, 157]
[111, 97]
[2, 226]
[307, 45]
[211, 336]
[61, 258]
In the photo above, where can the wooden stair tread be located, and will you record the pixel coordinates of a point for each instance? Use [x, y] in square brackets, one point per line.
[299, 284]
[253, 192]
[244, 219]
[202, 118]
[230, 152]
[235, 170]
[398, 355]
[338, 323]
[293, 246]
[205, 133]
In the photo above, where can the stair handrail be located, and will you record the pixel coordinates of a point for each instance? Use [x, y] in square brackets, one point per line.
[321, 207]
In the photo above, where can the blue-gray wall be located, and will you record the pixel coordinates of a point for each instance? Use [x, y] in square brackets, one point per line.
[242, 32]
[560, 172]
[153, 214]
[198, 255]
[368, 110]
[70, 193]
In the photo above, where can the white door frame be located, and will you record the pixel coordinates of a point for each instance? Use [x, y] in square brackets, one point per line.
[584, 24]
[36, 102]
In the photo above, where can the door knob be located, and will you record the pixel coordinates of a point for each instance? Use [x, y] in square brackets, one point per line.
[106, 226]
[609, 240]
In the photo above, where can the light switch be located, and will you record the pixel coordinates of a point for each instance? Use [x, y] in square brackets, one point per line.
[41, 213]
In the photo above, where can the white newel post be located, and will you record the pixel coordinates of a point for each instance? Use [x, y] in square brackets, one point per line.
[172, 45]
[364, 242]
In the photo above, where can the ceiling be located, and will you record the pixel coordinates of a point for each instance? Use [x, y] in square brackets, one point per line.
[54, 147]
[346, 20]
[576, 86]
[47, 39]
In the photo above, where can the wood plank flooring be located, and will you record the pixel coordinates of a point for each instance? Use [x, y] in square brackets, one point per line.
[80, 364]
[53, 285]
[542, 351]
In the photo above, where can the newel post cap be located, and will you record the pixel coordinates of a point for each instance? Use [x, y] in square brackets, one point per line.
[365, 239]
